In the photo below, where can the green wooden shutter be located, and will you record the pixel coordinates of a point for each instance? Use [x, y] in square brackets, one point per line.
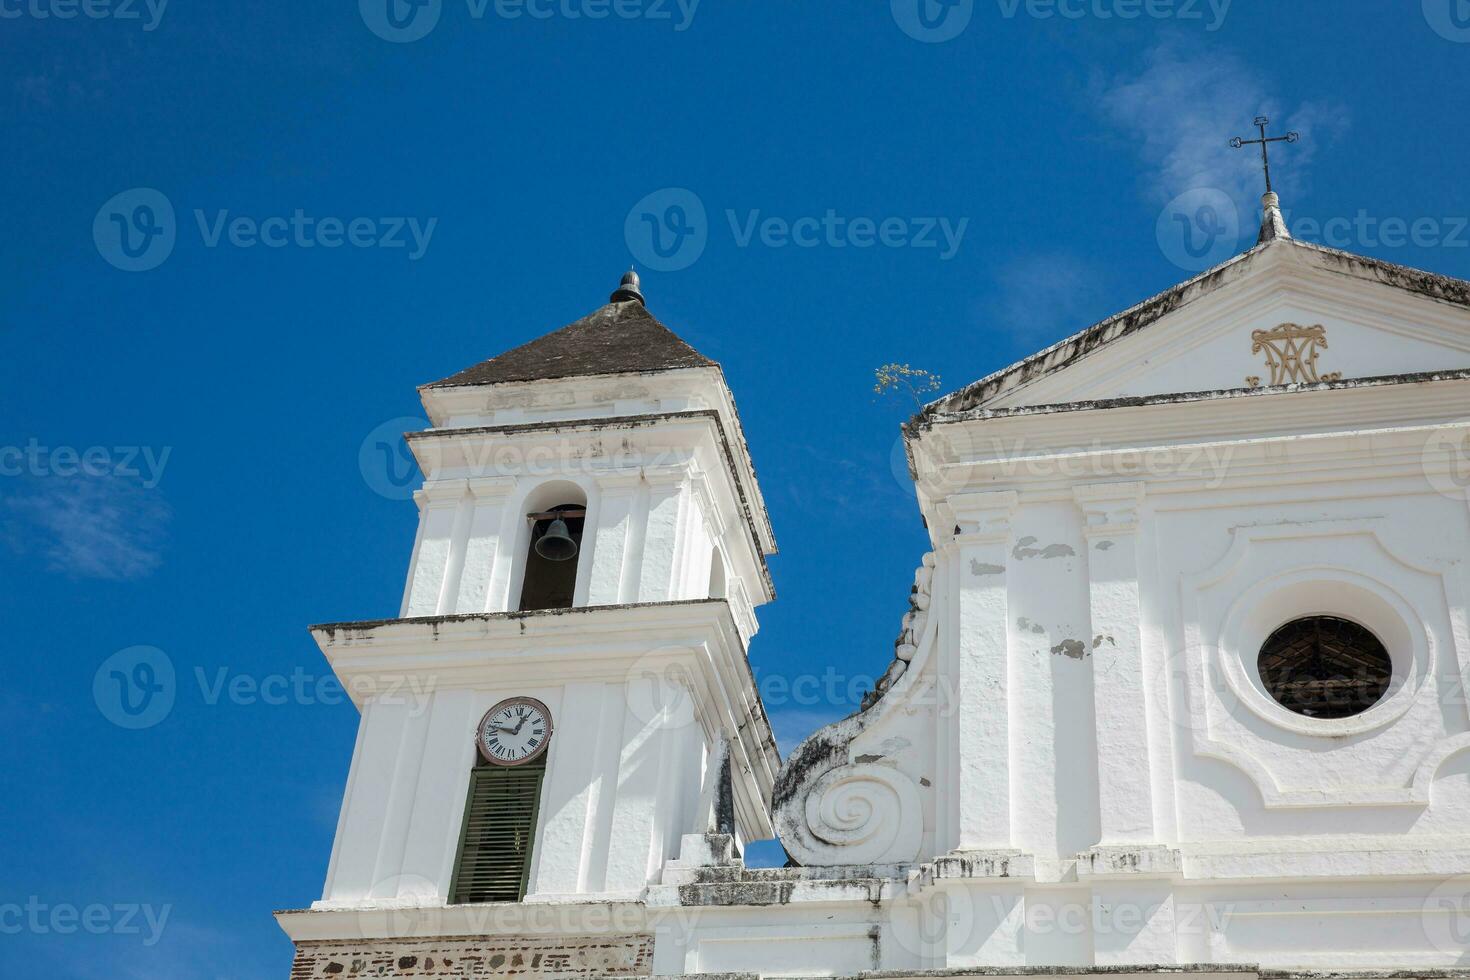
[499, 825]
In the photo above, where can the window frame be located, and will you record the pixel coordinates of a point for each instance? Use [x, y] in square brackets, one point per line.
[485, 770]
[1288, 639]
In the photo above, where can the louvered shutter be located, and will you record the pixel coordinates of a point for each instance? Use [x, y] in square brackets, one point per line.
[499, 826]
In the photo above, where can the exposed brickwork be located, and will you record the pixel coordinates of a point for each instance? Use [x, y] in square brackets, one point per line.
[476, 958]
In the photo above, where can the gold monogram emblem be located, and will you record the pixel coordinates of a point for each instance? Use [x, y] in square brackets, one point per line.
[1291, 353]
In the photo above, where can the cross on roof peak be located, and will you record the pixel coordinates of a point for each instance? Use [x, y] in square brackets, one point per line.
[1261, 123]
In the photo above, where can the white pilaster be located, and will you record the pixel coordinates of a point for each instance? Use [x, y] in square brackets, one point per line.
[653, 721]
[569, 800]
[402, 792]
[666, 492]
[438, 506]
[369, 787]
[592, 874]
[489, 496]
[507, 555]
[448, 756]
[1125, 795]
[982, 739]
[616, 508]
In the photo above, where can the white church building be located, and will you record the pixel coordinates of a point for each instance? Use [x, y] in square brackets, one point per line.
[1182, 688]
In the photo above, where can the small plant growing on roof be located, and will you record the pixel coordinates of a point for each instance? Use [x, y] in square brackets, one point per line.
[915, 382]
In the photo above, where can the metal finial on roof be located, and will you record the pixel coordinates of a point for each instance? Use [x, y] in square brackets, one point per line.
[627, 289]
[1273, 225]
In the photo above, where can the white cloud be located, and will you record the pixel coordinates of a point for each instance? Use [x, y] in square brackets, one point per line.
[1177, 112]
[1184, 105]
[1040, 299]
[90, 527]
[792, 725]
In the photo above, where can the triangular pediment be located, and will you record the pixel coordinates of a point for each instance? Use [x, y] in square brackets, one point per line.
[1286, 312]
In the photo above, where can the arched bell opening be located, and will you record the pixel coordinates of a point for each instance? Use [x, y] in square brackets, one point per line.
[552, 556]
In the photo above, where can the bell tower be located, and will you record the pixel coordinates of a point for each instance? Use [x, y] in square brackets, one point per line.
[565, 694]
[618, 420]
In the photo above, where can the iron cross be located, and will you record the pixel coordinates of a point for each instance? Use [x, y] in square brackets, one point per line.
[1261, 122]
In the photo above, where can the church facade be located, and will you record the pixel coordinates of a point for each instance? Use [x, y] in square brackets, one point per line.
[1182, 687]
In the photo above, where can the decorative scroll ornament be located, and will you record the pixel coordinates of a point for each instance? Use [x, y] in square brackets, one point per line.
[1291, 353]
[831, 810]
[835, 804]
[868, 811]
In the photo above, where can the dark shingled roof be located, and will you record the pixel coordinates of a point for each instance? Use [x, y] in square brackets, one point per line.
[619, 338]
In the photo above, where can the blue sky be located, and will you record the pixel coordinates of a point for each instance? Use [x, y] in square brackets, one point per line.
[180, 444]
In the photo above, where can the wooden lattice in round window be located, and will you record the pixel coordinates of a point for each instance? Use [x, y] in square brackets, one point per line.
[1325, 667]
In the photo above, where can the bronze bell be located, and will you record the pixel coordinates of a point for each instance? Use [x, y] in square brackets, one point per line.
[557, 543]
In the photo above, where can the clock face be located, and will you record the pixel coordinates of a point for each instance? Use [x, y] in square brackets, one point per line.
[514, 732]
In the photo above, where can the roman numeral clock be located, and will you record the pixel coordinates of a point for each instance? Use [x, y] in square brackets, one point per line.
[514, 732]
[494, 860]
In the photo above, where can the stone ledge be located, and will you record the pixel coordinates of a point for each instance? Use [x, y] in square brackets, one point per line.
[1209, 969]
[1000, 863]
[758, 892]
[1232, 970]
[469, 957]
[1119, 860]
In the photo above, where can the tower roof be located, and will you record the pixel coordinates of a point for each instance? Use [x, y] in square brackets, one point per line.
[660, 379]
[619, 338]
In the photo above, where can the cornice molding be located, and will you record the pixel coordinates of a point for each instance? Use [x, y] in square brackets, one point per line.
[1109, 508]
[441, 493]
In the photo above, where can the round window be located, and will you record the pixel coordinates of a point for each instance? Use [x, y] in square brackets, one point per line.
[1325, 667]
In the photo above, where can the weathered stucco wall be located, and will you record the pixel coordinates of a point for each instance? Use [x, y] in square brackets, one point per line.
[1102, 776]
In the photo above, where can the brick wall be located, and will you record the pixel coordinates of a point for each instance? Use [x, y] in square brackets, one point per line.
[476, 957]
